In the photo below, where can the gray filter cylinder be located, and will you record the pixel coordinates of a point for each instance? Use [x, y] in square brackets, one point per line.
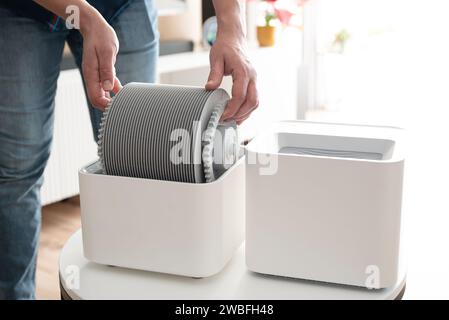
[167, 132]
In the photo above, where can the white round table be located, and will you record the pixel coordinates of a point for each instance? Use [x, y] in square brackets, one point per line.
[81, 279]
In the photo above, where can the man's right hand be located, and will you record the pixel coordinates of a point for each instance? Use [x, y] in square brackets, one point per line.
[100, 48]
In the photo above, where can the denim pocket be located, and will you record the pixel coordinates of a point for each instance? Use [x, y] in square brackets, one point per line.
[136, 26]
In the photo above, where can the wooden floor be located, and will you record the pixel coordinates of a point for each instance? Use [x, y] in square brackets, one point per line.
[59, 222]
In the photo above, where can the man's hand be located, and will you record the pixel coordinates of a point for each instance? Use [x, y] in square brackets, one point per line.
[100, 48]
[227, 58]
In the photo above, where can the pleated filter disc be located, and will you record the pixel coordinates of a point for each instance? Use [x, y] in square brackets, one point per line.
[154, 131]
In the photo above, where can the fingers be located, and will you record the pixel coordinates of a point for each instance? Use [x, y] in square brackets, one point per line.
[250, 104]
[91, 75]
[106, 58]
[240, 121]
[239, 88]
[117, 86]
[99, 76]
[215, 75]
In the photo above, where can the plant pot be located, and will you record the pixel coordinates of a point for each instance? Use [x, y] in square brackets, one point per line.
[266, 36]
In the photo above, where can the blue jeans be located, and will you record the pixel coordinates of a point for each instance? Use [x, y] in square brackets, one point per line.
[30, 57]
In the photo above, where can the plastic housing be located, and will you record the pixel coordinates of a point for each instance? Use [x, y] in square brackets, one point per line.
[328, 205]
[189, 229]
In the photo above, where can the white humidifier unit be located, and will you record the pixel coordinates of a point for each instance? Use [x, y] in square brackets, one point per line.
[168, 193]
[323, 203]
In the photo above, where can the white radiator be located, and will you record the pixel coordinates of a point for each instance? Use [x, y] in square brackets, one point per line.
[73, 144]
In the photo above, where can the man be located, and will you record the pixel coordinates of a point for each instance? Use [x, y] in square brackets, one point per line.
[117, 39]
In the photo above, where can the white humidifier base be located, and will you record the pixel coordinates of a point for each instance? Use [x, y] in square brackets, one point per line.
[189, 229]
[328, 206]
[235, 282]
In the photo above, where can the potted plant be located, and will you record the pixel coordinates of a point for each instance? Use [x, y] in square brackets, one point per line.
[266, 33]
